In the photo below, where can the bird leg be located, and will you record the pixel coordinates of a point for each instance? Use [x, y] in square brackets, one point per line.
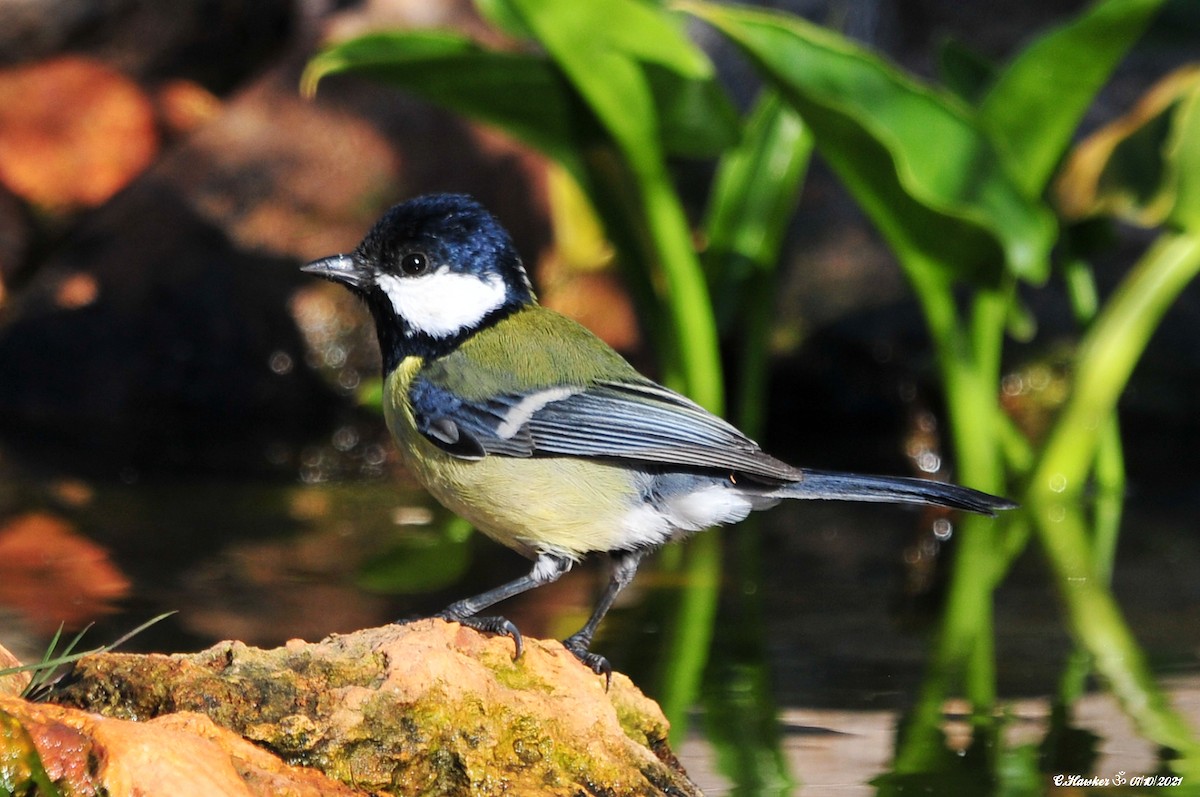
[624, 567]
[546, 568]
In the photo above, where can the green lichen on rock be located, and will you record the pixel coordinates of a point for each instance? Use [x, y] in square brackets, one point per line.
[423, 708]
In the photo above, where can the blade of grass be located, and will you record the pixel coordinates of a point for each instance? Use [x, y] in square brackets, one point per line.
[45, 670]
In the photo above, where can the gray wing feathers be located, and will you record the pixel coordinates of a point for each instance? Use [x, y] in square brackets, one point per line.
[638, 421]
[649, 423]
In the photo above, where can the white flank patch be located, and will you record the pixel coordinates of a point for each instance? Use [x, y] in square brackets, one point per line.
[645, 525]
[714, 505]
[443, 303]
[709, 506]
[519, 415]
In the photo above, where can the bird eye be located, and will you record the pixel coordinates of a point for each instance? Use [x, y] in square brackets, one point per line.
[414, 263]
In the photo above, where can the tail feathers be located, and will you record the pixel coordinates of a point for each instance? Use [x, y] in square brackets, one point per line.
[891, 489]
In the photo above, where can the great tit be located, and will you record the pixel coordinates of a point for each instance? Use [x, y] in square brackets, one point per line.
[537, 432]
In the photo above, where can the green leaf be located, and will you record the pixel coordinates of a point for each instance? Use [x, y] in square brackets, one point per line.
[637, 29]
[651, 88]
[965, 72]
[751, 202]
[695, 116]
[913, 156]
[753, 197]
[757, 184]
[527, 95]
[524, 95]
[606, 72]
[1036, 103]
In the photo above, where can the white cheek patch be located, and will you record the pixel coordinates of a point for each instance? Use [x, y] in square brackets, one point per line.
[443, 303]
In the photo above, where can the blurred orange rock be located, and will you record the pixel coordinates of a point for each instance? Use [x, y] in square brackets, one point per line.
[185, 105]
[73, 132]
[53, 575]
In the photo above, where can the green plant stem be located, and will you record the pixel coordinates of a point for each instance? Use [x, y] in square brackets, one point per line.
[1106, 359]
[1109, 478]
[1108, 506]
[696, 358]
[969, 360]
[687, 298]
[1086, 433]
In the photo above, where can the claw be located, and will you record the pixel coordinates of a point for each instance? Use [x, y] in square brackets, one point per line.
[593, 661]
[490, 625]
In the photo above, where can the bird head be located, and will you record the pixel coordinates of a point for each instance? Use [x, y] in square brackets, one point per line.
[432, 271]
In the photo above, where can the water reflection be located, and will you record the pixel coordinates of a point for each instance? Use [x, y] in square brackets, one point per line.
[817, 657]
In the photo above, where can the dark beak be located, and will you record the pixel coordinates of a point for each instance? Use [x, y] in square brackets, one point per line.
[340, 268]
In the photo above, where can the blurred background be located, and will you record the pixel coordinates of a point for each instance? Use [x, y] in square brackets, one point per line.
[187, 423]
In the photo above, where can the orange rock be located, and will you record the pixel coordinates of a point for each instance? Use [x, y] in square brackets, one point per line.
[15, 683]
[178, 755]
[428, 707]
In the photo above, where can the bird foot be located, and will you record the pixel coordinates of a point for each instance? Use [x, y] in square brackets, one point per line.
[489, 625]
[593, 661]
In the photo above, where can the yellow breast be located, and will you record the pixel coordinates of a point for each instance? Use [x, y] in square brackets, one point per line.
[557, 505]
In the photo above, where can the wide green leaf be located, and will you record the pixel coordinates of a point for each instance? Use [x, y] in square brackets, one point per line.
[757, 184]
[636, 28]
[524, 95]
[605, 66]
[913, 156]
[614, 50]
[1036, 103]
[695, 116]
